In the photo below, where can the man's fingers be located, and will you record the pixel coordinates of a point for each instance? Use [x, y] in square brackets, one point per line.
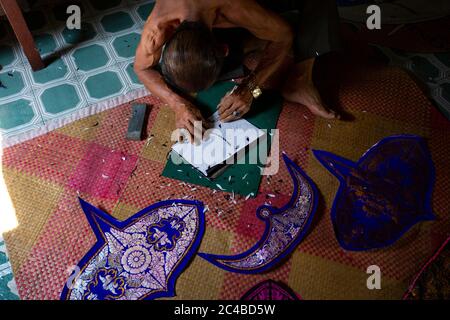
[183, 135]
[189, 127]
[199, 118]
[204, 125]
[230, 118]
[224, 109]
[200, 126]
[192, 132]
[208, 125]
[230, 112]
[198, 130]
[225, 104]
[226, 113]
[242, 110]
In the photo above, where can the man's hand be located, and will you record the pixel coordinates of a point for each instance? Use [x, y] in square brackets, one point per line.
[235, 105]
[186, 115]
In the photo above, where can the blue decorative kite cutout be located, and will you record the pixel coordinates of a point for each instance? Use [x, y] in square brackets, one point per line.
[382, 195]
[285, 228]
[139, 258]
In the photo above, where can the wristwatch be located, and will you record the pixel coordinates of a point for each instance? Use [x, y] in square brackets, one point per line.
[253, 87]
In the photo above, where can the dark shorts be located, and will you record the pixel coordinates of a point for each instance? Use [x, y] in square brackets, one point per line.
[315, 24]
[316, 31]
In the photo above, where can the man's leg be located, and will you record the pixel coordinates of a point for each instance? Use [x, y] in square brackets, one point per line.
[300, 88]
[317, 34]
[316, 28]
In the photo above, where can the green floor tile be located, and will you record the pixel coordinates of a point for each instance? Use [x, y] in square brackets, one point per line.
[145, 10]
[91, 57]
[6, 55]
[130, 71]
[56, 70]
[60, 98]
[45, 43]
[5, 291]
[16, 113]
[11, 82]
[103, 85]
[3, 258]
[104, 4]
[75, 36]
[117, 21]
[36, 19]
[126, 45]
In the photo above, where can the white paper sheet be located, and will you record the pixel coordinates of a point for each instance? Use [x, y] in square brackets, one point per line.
[221, 143]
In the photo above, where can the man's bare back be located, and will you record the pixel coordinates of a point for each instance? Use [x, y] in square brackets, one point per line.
[264, 24]
[167, 15]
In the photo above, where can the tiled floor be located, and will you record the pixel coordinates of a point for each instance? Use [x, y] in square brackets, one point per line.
[8, 289]
[87, 67]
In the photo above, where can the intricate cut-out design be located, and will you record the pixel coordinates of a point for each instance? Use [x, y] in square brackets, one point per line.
[139, 258]
[284, 228]
[270, 290]
[383, 194]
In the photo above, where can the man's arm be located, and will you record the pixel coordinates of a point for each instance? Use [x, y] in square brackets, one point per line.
[265, 25]
[186, 113]
[152, 79]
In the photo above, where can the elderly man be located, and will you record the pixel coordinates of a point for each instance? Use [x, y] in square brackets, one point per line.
[181, 53]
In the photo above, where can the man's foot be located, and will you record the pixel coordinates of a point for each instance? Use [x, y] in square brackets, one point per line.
[306, 94]
[300, 89]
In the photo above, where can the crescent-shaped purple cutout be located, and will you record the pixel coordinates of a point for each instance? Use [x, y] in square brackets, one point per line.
[284, 228]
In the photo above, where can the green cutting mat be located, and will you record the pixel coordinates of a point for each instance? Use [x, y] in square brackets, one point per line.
[264, 115]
